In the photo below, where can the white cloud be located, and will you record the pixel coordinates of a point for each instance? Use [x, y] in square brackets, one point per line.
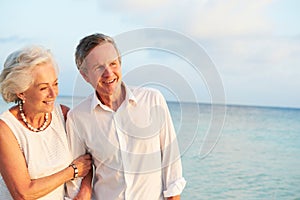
[231, 18]
[259, 70]
[199, 18]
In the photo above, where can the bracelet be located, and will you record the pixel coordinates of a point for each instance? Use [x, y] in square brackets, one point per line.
[75, 171]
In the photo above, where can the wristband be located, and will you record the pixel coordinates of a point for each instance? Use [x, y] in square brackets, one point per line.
[75, 171]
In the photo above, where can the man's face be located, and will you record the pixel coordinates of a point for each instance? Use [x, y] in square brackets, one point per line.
[103, 70]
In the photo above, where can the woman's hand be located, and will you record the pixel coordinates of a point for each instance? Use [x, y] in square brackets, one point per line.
[83, 164]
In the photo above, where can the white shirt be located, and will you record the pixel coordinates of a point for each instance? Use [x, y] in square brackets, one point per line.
[134, 149]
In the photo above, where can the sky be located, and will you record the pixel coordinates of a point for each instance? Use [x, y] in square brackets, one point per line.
[217, 51]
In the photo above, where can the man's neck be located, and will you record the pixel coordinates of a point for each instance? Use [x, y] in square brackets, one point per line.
[113, 101]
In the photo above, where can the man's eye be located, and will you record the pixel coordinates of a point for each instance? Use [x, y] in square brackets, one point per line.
[99, 68]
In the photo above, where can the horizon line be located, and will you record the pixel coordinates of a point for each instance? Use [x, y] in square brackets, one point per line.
[216, 104]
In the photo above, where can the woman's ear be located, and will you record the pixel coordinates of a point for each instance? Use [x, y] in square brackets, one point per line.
[21, 96]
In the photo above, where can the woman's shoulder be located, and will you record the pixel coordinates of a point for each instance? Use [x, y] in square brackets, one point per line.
[3, 126]
[8, 115]
[5, 130]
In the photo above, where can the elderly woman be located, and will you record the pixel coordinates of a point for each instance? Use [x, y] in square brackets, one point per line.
[35, 160]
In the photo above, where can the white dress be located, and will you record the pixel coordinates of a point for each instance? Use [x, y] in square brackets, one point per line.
[46, 152]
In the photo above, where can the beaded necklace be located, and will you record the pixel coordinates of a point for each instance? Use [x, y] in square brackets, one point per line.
[29, 125]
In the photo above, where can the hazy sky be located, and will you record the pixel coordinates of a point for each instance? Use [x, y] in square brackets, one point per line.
[254, 45]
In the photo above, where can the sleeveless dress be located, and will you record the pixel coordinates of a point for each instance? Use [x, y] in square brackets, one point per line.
[46, 152]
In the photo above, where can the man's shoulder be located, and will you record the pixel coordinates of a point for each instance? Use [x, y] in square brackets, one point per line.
[81, 104]
[147, 94]
[144, 90]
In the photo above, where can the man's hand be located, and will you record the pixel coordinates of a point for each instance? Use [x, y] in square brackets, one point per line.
[174, 198]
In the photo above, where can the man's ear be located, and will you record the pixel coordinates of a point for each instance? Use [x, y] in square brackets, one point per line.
[83, 74]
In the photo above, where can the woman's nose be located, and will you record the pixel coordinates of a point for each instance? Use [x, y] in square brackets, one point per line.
[52, 92]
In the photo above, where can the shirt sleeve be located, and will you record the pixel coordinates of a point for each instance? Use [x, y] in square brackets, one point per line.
[77, 148]
[173, 180]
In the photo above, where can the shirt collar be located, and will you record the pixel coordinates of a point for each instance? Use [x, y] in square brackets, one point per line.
[130, 98]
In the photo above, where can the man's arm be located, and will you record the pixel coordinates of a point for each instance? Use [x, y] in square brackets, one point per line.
[174, 198]
[85, 192]
[173, 180]
[77, 188]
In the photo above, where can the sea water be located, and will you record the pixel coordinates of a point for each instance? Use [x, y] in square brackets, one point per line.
[256, 155]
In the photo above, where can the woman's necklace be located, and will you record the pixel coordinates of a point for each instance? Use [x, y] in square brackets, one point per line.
[26, 122]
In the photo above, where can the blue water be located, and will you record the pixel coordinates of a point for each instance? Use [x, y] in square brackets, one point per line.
[256, 156]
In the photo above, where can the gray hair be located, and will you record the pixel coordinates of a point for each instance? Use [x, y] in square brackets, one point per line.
[87, 44]
[16, 76]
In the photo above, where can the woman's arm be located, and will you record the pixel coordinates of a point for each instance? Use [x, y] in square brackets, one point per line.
[14, 170]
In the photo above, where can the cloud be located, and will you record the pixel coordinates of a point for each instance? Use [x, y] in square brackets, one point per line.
[269, 52]
[231, 18]
[199, 18]
[135, 6]
[260, 70]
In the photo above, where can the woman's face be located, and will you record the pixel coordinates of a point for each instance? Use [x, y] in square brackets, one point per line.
[40, 97]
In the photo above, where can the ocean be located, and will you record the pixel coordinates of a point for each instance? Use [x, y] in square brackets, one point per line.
[256, 154]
